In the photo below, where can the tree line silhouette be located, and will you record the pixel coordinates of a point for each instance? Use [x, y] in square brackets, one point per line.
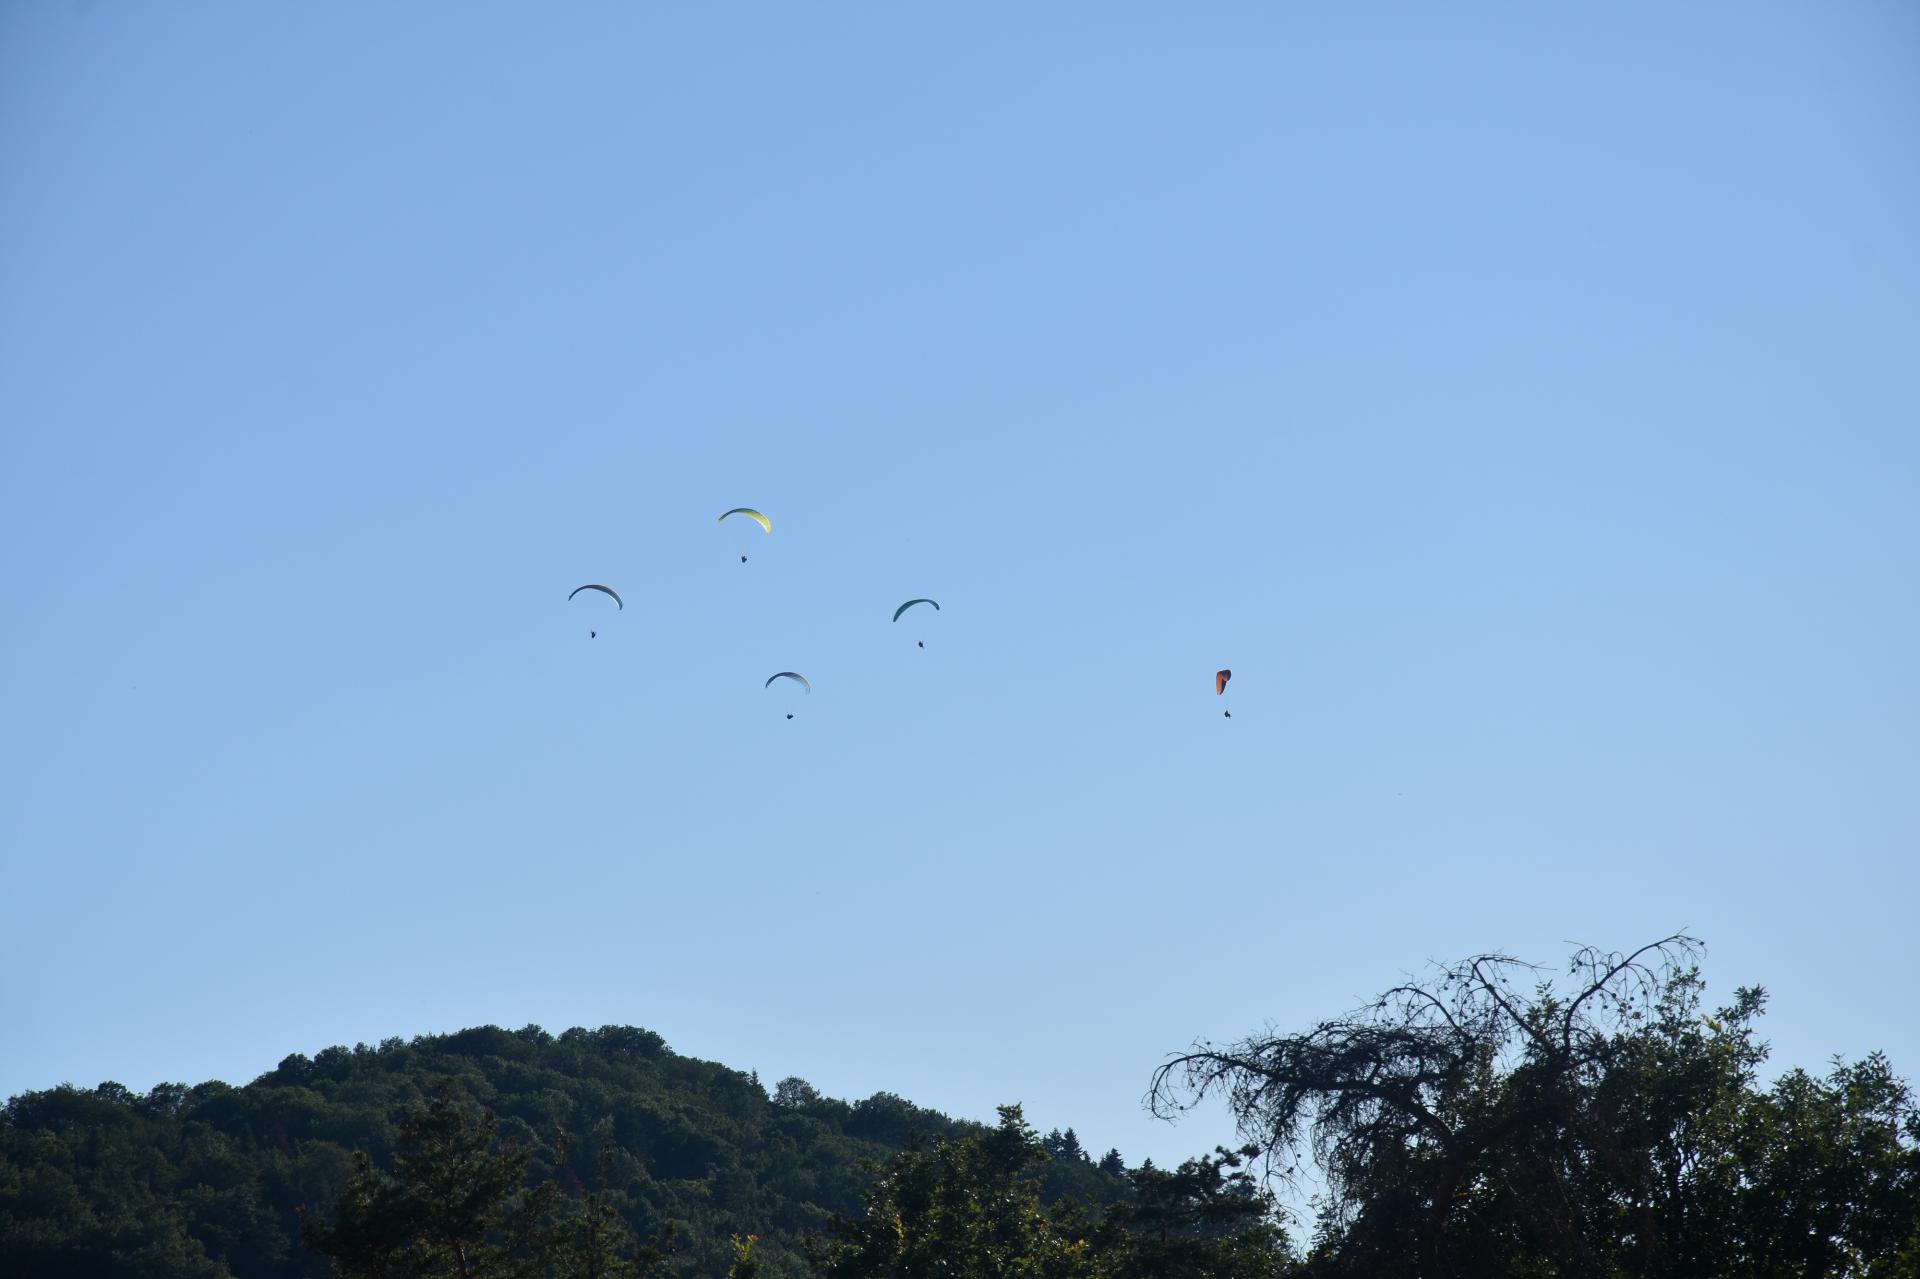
[1484, 1119]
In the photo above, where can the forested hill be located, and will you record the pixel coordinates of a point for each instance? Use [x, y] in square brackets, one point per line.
[210, 1181]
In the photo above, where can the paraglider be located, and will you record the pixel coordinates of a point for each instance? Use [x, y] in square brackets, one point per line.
[1220, 679]
[766, 525]
[605, 590]
[796, 676]
[595, 586]
[909, 604]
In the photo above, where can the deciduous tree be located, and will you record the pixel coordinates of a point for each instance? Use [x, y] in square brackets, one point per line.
[1471, 1123]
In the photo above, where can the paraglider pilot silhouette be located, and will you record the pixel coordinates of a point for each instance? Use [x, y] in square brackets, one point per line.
[766, 525]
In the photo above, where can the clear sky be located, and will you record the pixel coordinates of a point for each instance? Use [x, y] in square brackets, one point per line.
[1523, 400]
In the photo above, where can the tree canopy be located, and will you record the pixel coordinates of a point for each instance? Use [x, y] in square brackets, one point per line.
[972, 1205]
[1485, 1121]
[1488, 1118]
[210, 1181]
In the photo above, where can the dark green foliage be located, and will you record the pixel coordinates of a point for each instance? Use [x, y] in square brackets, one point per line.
[793, 1092]
[210, 1182]
[973, 1206]
[459, 1205]
[1063, 1145]
[962, 1207]
[1210, 1218]
[1467, 1126]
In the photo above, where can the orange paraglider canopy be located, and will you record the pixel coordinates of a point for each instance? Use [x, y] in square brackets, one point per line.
[1220, 679]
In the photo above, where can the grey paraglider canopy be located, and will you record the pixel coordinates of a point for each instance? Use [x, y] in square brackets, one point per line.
[595, 586]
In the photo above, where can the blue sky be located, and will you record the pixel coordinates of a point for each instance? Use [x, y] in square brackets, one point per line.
[1521, 400]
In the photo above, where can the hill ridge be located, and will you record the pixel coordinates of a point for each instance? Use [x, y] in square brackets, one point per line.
[209, 1181]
